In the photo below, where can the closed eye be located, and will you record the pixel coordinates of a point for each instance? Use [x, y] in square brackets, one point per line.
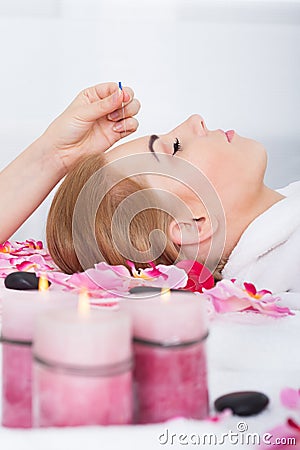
[152, 139]
[176, 146]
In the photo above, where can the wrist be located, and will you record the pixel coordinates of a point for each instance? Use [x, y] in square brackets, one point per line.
[49, 156]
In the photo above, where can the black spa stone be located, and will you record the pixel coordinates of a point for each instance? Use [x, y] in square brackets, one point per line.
[22, 281]
[244, 403]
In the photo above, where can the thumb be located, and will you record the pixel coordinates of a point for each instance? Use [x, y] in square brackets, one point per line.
[100, 108]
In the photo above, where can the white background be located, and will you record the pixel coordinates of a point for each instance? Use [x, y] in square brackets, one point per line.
[235, 62]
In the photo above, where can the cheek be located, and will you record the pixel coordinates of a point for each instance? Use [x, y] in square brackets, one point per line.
[252, 158]
[241, 172]
[234, 167]
[215, 165]
[168, 184]
[175, 196]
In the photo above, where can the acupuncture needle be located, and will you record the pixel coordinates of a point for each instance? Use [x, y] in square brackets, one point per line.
[123, 110]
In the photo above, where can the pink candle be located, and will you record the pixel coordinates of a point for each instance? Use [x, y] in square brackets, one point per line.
[19, 311]
[83, 369]
[170, 360]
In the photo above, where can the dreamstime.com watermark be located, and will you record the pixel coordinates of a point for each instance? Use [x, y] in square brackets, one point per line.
[238, 437]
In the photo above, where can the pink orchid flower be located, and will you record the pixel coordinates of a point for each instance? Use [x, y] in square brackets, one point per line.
[27, 248]
[146, 274]
[102, 281]
[108, 281]
[160, 276]
[5, 248]
[199, 276]
[169, 277]
[226, 296]
[24, 256]
[31, 243]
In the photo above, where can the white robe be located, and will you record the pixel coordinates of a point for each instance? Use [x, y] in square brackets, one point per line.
[268, 252]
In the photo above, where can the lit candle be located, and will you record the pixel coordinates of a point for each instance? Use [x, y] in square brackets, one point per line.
[19, 311]
[83, 368]
[169, 356]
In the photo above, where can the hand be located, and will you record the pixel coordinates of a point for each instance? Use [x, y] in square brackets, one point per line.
[90, 123]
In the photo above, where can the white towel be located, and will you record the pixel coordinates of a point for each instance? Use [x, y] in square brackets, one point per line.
[268, 252]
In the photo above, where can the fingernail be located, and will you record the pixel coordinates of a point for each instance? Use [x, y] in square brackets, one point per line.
[118, 127]
[113, 115]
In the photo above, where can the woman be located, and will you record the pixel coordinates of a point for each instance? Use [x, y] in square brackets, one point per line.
[92, 123]
[191, 193]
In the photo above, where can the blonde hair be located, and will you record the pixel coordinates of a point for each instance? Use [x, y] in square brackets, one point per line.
[59, 230]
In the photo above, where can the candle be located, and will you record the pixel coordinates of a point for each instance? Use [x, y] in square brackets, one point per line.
[19, 311]
[169, 356]
[83, 368]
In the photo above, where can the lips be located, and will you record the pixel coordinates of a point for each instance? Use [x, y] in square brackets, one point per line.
[229, 135]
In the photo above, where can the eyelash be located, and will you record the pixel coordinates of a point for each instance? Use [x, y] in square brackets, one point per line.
[176, 146]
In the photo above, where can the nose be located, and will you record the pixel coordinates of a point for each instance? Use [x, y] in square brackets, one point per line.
[197, 125]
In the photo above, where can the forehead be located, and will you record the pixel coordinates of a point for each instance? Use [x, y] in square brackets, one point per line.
[139, 145]
[159, 177]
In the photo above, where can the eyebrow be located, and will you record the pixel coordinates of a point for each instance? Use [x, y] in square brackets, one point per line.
[152, 139]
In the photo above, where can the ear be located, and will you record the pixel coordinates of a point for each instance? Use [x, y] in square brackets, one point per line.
[191, 231]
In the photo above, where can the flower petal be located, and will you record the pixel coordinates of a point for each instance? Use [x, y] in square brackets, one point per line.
[154, 272]
[281, 433]
[290, 398]
[220, 416]
[119, 269]
[226, 296]
[148, 273]
[250, 288]
[176, 278]
[5, 248]
[25, 266]
[264, 292]
[102, 278]
[293, 424]
[199, 276]
[58, 278]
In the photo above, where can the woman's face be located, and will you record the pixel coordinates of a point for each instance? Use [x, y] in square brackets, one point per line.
[234, 165]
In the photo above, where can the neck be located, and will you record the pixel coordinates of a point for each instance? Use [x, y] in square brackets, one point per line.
[264, 200]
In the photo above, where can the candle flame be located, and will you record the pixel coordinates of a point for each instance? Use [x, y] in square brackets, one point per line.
[165, 294]
[84, 303]
[43, 283]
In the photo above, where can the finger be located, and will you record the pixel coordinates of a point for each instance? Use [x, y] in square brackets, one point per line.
[97, 109]
[128, 94]
[126, 127]
[100, 91]
[130, 110]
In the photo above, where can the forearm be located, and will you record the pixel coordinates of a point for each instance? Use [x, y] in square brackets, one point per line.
[25, 183]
